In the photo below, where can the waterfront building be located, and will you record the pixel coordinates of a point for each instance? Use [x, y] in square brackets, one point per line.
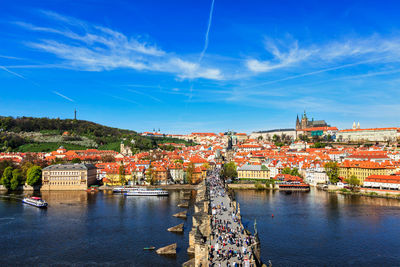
[249, 171]
[390, 134]
[315, 175]
[160, 174]
[177, 173]
[68, 176]
[363, 169]
[383, 182]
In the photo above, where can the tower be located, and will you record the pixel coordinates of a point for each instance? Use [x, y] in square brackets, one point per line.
[75, 114]
[354, 125]
[298, 126]
[304, 121]
[358, 125]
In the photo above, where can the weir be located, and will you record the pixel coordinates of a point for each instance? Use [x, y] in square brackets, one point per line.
[217, 236]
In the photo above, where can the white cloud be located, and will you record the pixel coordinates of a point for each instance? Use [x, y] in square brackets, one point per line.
[315, 55]
[99, 48]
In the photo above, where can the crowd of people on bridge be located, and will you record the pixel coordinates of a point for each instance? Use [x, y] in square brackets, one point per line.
[229, 245]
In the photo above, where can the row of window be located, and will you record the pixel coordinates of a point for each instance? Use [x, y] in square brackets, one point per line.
[64, 183]
[66, 178]
[64, 173]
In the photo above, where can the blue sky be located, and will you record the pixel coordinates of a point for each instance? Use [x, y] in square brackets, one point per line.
[185, 66]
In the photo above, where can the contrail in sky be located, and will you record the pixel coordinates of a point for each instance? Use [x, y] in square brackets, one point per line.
[13, 73]
[208, 31]
[63, 96]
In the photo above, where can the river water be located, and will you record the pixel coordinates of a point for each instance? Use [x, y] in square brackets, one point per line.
[323, 229]
[309, 229]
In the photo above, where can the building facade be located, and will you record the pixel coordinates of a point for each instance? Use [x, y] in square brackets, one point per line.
[253, 172]
[383, 182]
[372, 134]
[68, 177]
[305, 123]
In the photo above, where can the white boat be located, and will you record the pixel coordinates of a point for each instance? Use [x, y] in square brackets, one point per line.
[35, 201]
[123, 189]
[147, 192]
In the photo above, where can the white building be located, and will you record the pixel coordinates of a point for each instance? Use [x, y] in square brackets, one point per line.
[268, 135]
[316, 175]
[388, 182]
[177, 174]
[372, 134]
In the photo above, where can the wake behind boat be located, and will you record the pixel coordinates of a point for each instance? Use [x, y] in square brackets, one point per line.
[35, 201]
[147, 192]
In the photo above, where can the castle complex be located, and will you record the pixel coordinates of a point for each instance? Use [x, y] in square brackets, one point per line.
[304, 123]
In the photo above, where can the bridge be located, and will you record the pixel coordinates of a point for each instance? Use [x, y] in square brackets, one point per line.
[218, 237]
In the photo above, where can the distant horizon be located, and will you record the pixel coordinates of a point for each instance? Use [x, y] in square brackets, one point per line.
[194, 131]
[187, 66]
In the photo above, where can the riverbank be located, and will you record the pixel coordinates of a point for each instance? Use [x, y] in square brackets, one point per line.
[168, 186]
[367, 193]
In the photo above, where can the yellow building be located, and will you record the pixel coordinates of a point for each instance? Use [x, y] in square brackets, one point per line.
[363, 169]
[68, 177]
[248, 171]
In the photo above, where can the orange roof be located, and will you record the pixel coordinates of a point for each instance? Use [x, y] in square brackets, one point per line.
[370, 129]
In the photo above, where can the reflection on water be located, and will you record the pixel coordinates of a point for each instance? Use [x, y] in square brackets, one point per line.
[313, 228]
[320, 228]
[81, 228]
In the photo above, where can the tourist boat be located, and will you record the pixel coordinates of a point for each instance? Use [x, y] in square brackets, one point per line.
[35, 201]
[149, 248]
[122, 189]
[147, 192]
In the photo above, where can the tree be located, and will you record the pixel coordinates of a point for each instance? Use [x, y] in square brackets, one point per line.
[6, 178]
[286, 170]
[76, 160]
[332, 171]
[229, 170]
[122, 178]
[206, 165]
[189, 173]
[353, 182]
[107, 158]
[150, 175]
[16, 179]
[294, 171]
[34, 176]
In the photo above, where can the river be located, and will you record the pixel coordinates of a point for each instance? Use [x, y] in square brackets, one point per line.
[317, 228]
[311, 229]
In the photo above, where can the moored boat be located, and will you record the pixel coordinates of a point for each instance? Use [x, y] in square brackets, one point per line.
[147, 192]
[35, 201]
[123, 189]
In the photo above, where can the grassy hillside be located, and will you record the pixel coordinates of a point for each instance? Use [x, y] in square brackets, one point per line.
[47, 147]
[27, 134]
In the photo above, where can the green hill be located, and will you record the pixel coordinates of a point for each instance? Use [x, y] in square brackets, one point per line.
[27, 134]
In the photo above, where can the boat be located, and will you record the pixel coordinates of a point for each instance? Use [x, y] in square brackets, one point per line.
[149, 248]
[92, 189]
[147, 192]
[123, 189]
[35, 201]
